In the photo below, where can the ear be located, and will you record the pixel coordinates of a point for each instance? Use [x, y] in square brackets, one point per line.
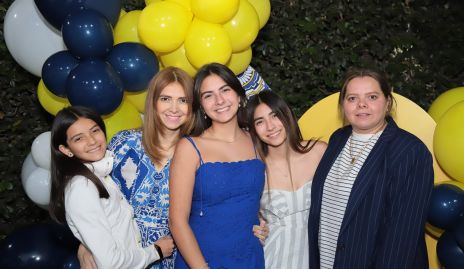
[66, 151]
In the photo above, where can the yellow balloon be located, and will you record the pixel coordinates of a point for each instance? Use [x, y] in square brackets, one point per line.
[445, 101]
[243, 28]
[178, 59]
[124, 117]
[263, 8]
[137, 99]
[186, 3]
[448, 141]
[215, 11]
[240, 61]
[435, 232]
[147, 2]
[162, 25]
[126, 28]
[50, 102]
[206, 43]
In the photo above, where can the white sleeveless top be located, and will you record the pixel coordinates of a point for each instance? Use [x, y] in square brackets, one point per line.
[286, 213]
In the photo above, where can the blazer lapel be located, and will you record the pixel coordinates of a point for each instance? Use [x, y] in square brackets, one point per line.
[370, 172]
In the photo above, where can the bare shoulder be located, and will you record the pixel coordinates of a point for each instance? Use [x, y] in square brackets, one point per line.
[185, 151]
[318, 146]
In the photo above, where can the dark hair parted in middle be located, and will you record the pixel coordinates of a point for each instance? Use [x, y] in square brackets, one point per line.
[222, 71]
[283, 112]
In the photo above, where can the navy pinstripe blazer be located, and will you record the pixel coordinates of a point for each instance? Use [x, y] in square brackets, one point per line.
[384, 221]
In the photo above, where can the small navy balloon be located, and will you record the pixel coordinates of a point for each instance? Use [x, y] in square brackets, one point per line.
[87, 34]
[135, 64]
[55, 11]
[95, 84]
[55, 71]
[446, 206]
[449, 253]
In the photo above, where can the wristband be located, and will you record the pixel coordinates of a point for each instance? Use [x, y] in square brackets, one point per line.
[160, 252]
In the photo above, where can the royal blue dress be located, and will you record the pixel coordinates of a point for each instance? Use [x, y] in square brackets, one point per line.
[225, 207]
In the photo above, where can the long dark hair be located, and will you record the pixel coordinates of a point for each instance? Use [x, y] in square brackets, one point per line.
[200, 123]
[64, 168]
[283, 112]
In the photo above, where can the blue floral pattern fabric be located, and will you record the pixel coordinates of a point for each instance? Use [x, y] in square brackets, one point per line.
[145, 188]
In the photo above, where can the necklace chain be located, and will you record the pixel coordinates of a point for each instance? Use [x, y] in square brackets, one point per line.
[354, 158]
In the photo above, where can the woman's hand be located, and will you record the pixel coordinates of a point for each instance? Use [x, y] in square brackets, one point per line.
[166, 244]
[261, 231]
[85, 257]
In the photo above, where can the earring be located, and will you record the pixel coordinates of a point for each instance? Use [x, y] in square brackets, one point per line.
[205, 116]
[70, 155]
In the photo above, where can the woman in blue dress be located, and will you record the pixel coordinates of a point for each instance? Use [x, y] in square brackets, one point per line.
[216, 180]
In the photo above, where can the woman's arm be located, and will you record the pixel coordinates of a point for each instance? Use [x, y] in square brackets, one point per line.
[86, 217]
[181, 182]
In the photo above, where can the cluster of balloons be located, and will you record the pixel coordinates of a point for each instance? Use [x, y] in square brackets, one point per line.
[446, 212]
[191, 33]
[40, 246]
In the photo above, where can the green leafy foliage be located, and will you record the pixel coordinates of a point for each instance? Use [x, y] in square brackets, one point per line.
[302, 52]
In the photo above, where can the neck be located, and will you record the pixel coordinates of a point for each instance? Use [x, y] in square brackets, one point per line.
[279, 152]
[168, 140]
[228, 132]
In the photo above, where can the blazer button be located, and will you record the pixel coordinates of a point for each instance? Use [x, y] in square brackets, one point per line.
[341, 247]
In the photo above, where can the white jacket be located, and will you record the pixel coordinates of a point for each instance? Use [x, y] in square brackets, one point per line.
[105, 226]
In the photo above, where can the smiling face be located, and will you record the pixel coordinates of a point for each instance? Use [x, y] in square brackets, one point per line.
[172, 106]
[268, 126]
[364, 105]
[85, 140]
[218, 100]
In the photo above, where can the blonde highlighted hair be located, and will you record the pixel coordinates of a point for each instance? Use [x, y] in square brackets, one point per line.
[152, 125]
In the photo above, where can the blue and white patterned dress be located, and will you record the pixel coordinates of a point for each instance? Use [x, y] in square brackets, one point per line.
[145, 188]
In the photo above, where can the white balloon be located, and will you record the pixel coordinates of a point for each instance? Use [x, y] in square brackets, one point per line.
[37, 187]
[28, 167]
[29, 37]
[40, 150]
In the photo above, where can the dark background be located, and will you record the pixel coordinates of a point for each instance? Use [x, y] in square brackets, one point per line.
[302, 53]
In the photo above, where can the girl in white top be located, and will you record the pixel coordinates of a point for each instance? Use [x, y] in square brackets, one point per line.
[85, 197]
[290, 166]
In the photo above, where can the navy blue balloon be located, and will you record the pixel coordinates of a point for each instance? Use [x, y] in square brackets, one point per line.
[449, 253]
[446, 206]
[71, 262]
[135, 64]
[95, 84]
[34, 246]
[458, 233]
[55, 11]
[56, 70]
[87, 34]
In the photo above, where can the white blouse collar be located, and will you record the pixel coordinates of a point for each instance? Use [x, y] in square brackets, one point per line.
[103, 167]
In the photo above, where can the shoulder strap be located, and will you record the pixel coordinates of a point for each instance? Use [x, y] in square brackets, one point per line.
[190, 139]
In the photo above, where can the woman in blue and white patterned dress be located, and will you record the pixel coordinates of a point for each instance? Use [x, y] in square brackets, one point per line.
[143, 157]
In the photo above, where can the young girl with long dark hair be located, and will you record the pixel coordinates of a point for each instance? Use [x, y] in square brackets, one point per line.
[85, 197]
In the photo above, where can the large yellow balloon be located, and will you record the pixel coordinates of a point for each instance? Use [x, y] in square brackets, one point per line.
[239, 61]
[263, 8]
[448, 141]
[126, 28]
[186, 3]
[243, 28]
[163, 25]
[207, 42]
[178, 58]
[137, 99]
[445, 101]
[50, 102]
[215, 11]
[323, 118]
[124, 117]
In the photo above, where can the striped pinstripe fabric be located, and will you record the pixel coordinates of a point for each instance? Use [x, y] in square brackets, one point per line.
[287, 215]
[383, 225]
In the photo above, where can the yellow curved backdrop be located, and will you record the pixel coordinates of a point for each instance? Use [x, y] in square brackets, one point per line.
[323, 118]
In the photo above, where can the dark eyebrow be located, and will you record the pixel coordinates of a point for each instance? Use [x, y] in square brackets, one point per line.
[220, 88]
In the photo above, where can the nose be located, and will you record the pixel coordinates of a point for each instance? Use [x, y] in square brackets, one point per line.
[270, 125]
[92, 140]
[174, 106]
[219, 99]
[362, 103]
